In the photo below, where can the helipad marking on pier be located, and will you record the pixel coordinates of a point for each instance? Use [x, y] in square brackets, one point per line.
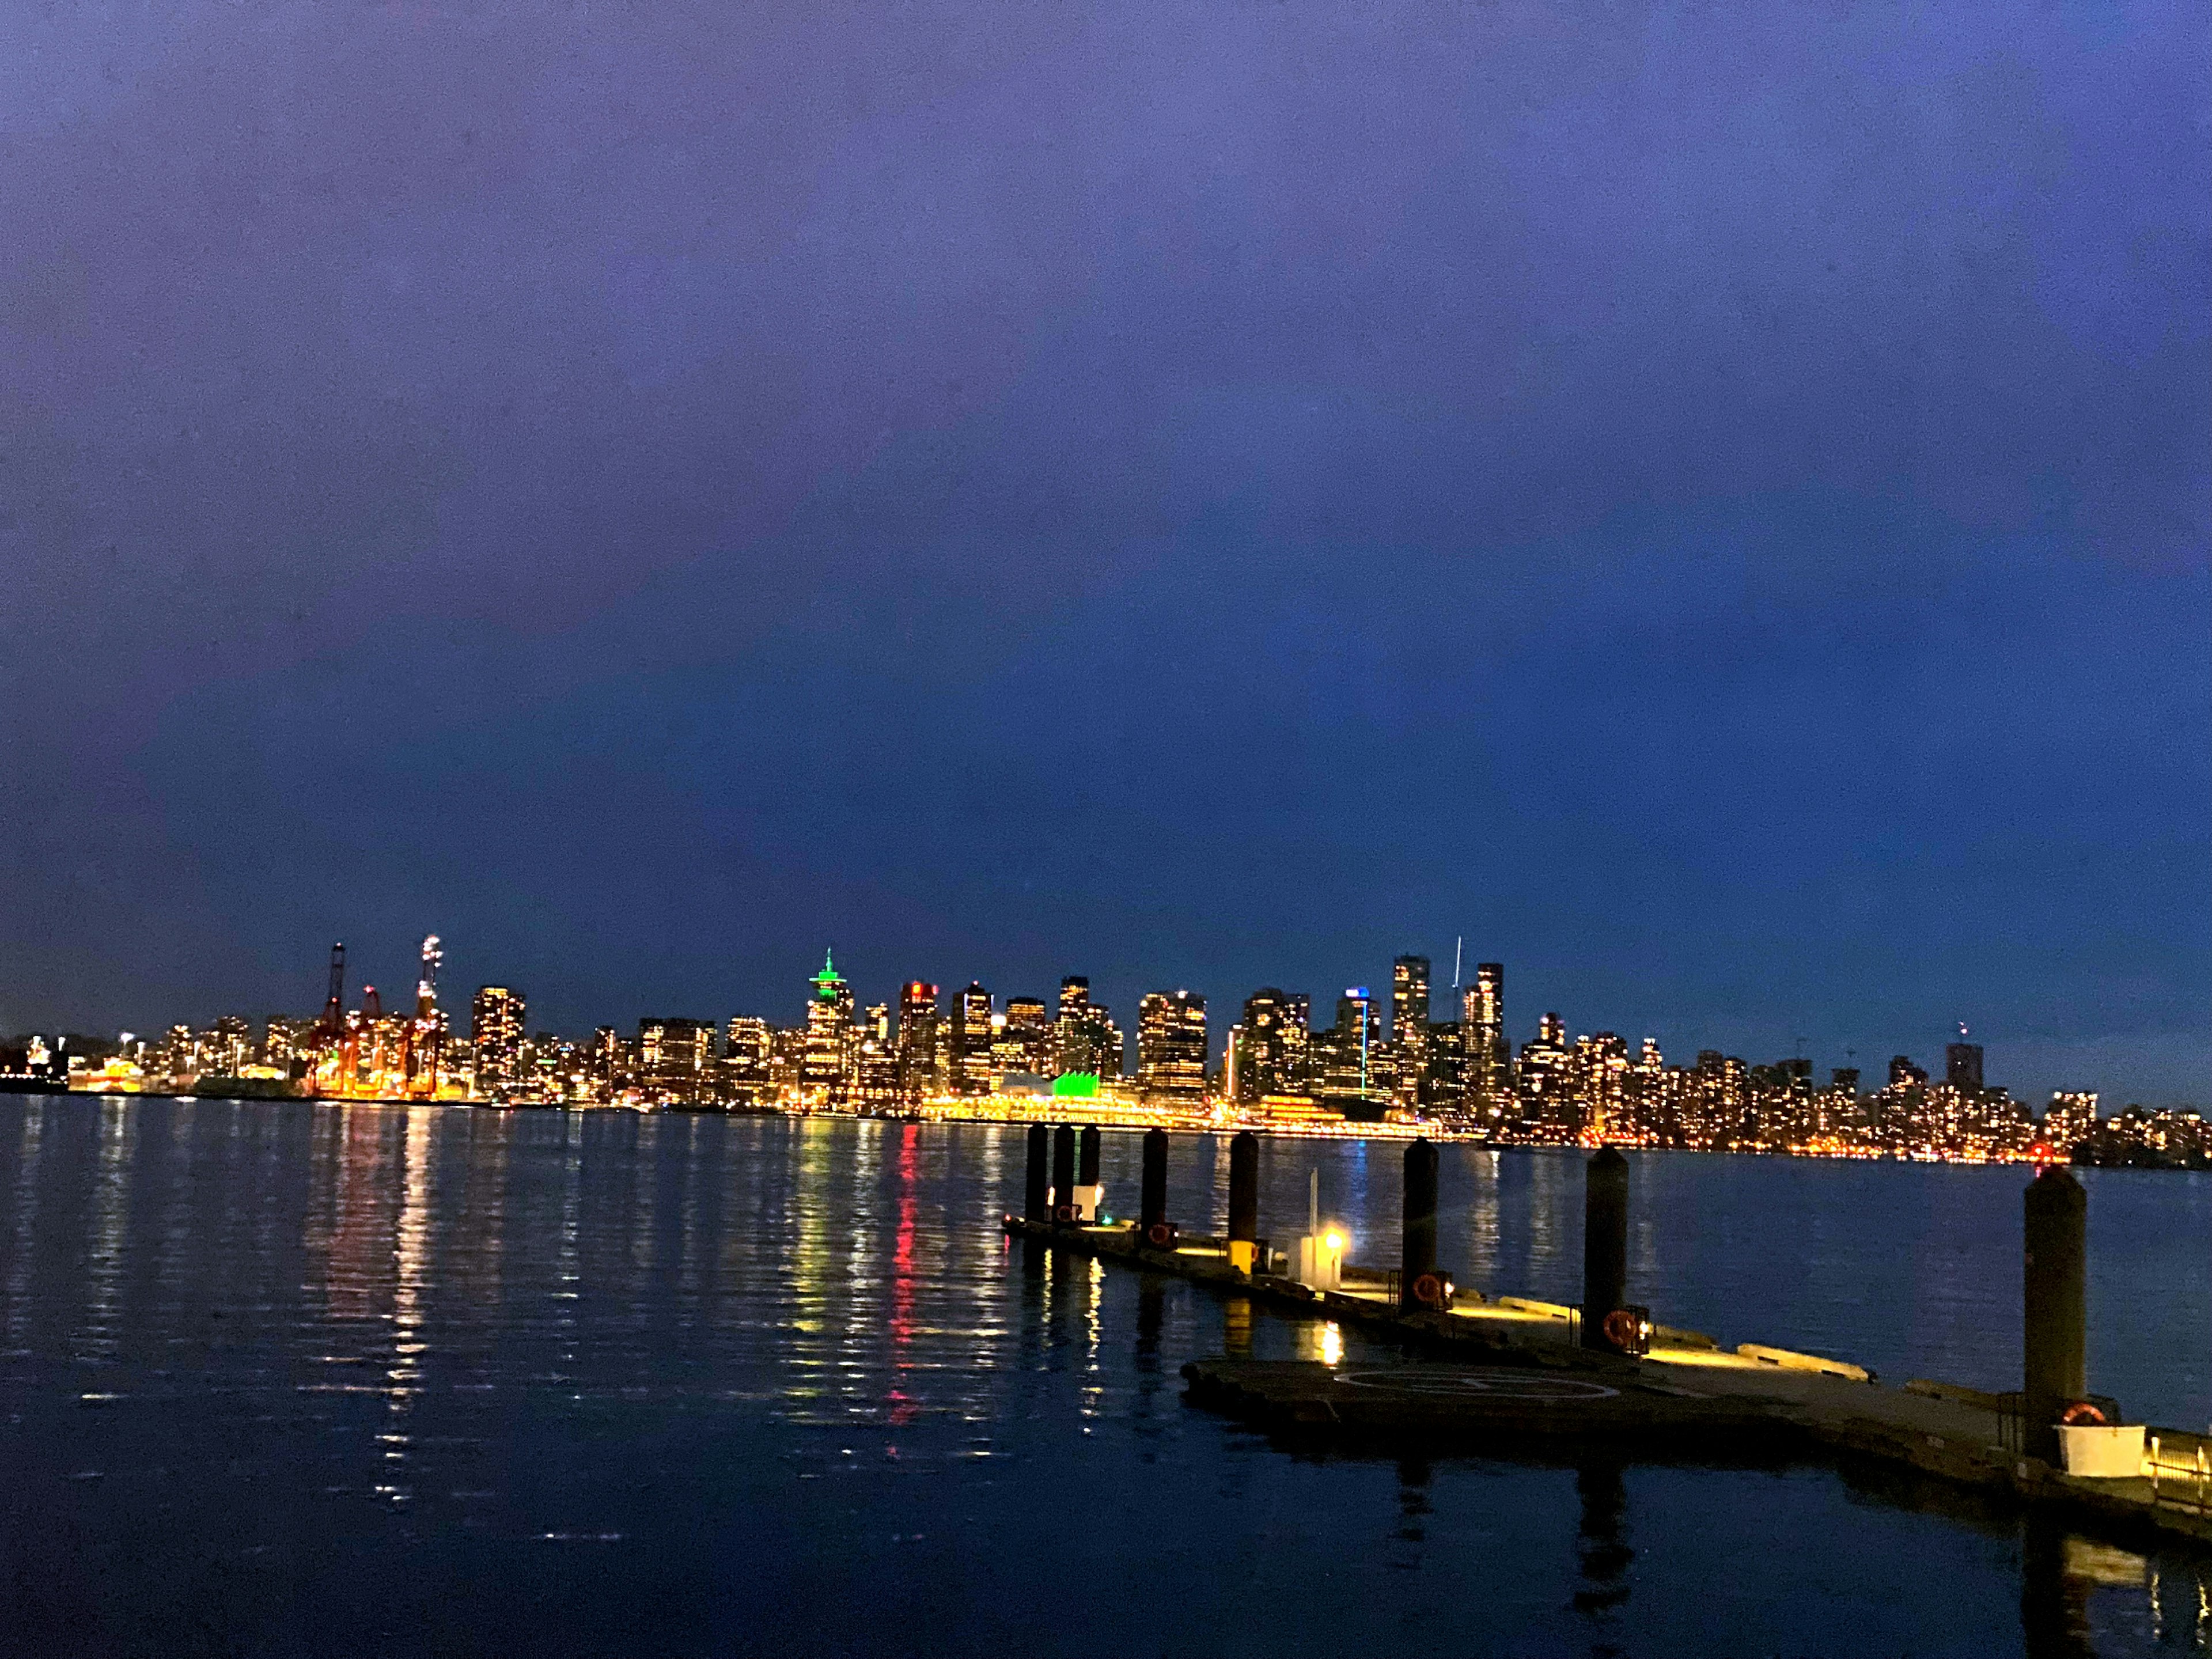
[1484, 1384]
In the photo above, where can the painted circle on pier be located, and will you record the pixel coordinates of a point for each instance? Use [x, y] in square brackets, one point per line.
[1478, 1384]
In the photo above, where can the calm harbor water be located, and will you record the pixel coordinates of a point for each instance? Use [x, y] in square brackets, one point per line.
[283, 1378]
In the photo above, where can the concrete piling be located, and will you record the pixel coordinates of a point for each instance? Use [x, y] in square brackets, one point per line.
[1086, 1174]
[1153, 1201]
[1036, 1202]
[1244, 1200]
[1605, 1244]
[1063, 1173]
[2054, 1300]
[1417, 1258]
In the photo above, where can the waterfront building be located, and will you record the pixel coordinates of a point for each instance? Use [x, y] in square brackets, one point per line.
[495, 1029]
[1353, 1064]
[675, 1058]
[2070, 1120]
[918, 1040]
[875, 1062]
[1171, 1048]
[748, 1061]
[1547, 1105]
[1264, 1061]
[825, 1076]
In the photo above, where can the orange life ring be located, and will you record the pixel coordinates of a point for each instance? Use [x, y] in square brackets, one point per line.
[1428, 1291]
[1619, 1328]
[2080, 1412]
[1160, 1235]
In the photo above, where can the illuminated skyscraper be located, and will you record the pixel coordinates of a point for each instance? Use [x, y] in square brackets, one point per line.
[1409, 1024]
[1085, 1037]
[748, 1061]
[1263, 1051]
[675, 1058]
[823, 1079]
[969, 1053]
[495, 1026]
[1962, 1063]
[1482, 1031]
[1171, 1047]
[1355, 1054]
[1031, 1031]
[918, 1040]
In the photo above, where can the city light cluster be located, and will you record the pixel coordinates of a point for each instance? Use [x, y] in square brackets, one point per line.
[1379, 1066]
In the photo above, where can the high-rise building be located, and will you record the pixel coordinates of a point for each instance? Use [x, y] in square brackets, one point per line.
[918, 1040]
[495, 1026]
[2070, 1120]
[1409, 1025]
[1904, 1074]
[675, 1058]
[824, 1077]
[748, 1061]
[1962, 1063]
[1171, 1047]
[1482, 1031]
[610, 1062]
[969, 1053]
[1354, 1062]
[1031, 1031]
[874, 1068]
[1263, 1049]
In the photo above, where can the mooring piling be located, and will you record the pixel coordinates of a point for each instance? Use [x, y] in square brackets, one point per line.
[1152, 1224]
[1244, 1200]
[1605, 1244]
[1063, 1173]
[1419, 1286]
[2055, 1305]
[1086, 1174]
[1036, 1200]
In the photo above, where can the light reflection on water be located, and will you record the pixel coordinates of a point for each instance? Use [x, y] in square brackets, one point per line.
[346, 1378]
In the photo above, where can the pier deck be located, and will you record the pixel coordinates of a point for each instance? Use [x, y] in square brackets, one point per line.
[1505, 1373]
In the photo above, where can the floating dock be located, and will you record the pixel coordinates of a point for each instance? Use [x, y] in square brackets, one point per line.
[1510, 1376]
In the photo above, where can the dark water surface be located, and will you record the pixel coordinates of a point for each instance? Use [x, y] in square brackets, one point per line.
[330, 1379]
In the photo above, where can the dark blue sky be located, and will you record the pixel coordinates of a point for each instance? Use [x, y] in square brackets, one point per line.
[1709, 503]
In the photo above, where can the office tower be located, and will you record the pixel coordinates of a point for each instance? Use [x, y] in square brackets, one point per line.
[748, 1061]
[284, 1041]
[1409, 1024]
[1482, 1030]
[675, 1058]
[610, 1063]
[1846, 1077]
[968, 1069]
[1904, 1074]
[874, 1067]
[1114, 1048]
[1962, 1063]
[1031, 1031]
[495, 1018]
[1300, 1071]
[1545, 1091]
[824, 1078]
[1353, 1060]
[918, 1039]
[1263, 1050]
[1171, 1048]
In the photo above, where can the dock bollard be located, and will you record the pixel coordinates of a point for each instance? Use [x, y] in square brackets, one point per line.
[1244, 1200]
[1605, 1244]
[1419, 1284]
[2055, 1300]
[1037, 1200]
[1087, 1175]
[1063, 1173]
[1152, 1224]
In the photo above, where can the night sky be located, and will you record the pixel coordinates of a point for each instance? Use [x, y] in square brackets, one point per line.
[1707, 502]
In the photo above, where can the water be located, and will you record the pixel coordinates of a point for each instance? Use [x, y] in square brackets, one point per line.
[284, 1379]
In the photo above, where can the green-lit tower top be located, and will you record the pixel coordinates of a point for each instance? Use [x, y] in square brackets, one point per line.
[827, 983]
